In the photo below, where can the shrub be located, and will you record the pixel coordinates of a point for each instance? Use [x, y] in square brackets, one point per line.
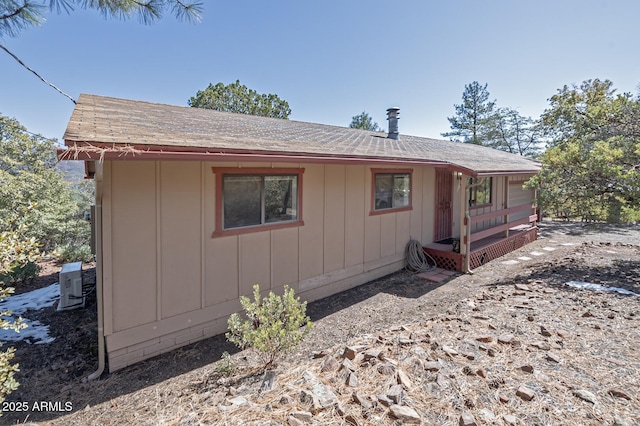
[226, 366]
[74, 253]
[273, 326]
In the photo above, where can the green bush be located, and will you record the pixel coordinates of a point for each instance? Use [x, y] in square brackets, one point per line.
[22, 272]
[15, 250]
[74, 253]
[273, 326]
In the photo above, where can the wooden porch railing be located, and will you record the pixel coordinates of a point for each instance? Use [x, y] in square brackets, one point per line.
[503, 226]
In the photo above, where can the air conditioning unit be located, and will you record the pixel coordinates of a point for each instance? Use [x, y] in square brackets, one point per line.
[71, 296]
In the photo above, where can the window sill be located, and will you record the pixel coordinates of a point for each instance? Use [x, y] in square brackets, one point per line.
[256, 228]
[385, 211]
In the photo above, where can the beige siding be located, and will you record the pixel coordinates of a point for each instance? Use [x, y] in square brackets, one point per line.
[169, 282]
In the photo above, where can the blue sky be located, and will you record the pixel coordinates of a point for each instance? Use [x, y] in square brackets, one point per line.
[331, 59]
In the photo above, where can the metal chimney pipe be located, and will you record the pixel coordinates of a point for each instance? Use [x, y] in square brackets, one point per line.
[393, 115]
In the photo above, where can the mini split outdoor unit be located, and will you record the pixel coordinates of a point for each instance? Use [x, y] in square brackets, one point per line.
[71, 287]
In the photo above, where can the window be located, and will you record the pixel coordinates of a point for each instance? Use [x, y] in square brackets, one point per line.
[247, 199]
[480, 191]
[391, 190]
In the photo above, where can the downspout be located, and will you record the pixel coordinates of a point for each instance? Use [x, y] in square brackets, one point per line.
[99, 297]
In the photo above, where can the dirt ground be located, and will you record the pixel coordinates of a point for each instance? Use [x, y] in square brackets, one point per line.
[510, 331]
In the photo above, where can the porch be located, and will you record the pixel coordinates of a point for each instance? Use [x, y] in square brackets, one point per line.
[487, 244]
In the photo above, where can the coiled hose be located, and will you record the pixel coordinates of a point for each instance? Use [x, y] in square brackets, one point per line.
[417, 259]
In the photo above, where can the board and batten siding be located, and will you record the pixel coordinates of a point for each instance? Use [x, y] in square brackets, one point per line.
[167, 282]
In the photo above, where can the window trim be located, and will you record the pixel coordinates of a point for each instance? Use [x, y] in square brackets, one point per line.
[374, 172]
[220, 172]
[479, 206]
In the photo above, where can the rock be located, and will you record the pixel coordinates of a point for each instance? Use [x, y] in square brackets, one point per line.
[506, 338]
[349, 353]
[432, 366]
[384, 400]
[309, 379]
[238, 401]
[405, 341]
[387, 369]
[619, 421]
[319, 354]
[522, 287]
[304, 416]
[286, 399]
[372, 353]
[491, 352]
[325, 396]
[466, 419]
[485, 338]
[488, 415]
[619, 393]
[544, 331]
[329, 364]
[587, 314]
[509, 419]
[441, 381]
[525, 393]
[404, 380]
[405, 414]
[527, 368]
[562, 333]
[361, 400]
[481, 372]
[352, 380]
[541, 345]
[351, 420]
[504, 398]
[396, 394]
[292, 421]
[268, 379]
[585, 395]
[347, 365]
[553, 357]
[449, 350]
[468, 355]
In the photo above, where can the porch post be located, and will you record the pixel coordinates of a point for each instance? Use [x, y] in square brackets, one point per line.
[506, 204]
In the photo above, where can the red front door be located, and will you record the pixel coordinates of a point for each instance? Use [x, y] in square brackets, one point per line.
[444, 201]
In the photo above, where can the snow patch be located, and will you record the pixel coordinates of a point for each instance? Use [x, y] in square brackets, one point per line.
[18, 304]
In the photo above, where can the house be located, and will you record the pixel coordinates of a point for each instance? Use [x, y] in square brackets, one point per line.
[194, 207]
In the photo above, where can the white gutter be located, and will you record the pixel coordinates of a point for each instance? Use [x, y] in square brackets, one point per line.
[99, 298]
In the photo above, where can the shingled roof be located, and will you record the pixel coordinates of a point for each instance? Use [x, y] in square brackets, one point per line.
[99, 121]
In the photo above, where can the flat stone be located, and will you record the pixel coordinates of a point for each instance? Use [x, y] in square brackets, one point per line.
[544, 331]
[352, 380]
[481, 372]
[406, 414]
[466, 419]
[396, 394]
[619, 393]
[329, 364]
[347, 365]
[449, 350]
[585, 395]
[509, 419]
[384, 400]
[541, 345]
[525, 393]
[504, 398]
[404, 380]
[349, 353]
[441, 381]
[351, 420]
[562, 333]
[506, 338]
[522, 287]
[553, 357]
[372, 353]
[319, 354]
[485, 338]
[309, 379]
[432, 366]
[326, 397]
[304, 416]
[527, 368]
[286, 399]
[361, 400]
[292, 421]
[619, 421]
[238, 401]
[487, 415]
[386, 368]
[468, 355]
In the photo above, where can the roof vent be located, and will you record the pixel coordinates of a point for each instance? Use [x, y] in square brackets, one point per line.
[393, 115]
